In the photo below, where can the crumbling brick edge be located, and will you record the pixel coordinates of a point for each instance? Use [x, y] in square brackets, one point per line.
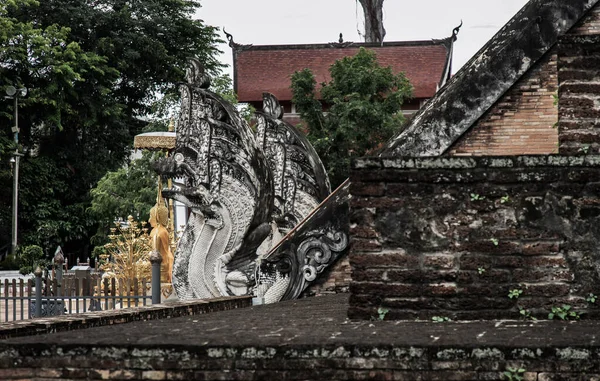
[41, 326]
[312, 362]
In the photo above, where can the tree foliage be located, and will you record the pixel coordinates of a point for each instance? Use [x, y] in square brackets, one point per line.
[223, 85]
[363, 102]
[29, 258]
[94, 70]
[129, 191]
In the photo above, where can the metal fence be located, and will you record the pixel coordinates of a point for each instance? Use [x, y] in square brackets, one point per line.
[68, 294]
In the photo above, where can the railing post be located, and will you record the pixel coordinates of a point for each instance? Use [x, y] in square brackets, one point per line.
[59, 260]
[38, 291]
[156, 260]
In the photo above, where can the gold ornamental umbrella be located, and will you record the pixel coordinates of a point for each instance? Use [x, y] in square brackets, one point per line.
[157, 140]
[160, 141]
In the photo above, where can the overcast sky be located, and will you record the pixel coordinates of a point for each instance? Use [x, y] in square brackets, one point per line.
[268, 22]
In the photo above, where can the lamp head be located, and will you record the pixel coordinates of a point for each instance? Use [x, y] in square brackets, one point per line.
[11, 91]
[12, 159]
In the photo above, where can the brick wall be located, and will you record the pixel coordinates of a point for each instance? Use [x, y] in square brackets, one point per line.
[452, 236]
[579, 79]
[335, 279]
[308, 339]
[315, 362]
[589, 24]
[522, 122]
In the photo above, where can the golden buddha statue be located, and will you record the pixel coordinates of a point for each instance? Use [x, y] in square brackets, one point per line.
[159, 236]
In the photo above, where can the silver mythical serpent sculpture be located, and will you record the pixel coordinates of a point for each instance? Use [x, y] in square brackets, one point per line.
[245, 192]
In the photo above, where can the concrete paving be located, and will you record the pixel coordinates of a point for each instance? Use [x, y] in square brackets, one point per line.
[322, 320]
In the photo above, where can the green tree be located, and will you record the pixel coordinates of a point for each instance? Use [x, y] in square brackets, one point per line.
[223, 85]
[95, 71]
[30, 257]
[363, 103]
[52, 67]
[130, 190]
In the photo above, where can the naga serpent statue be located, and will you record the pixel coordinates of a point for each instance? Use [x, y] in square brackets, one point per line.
[247, 192]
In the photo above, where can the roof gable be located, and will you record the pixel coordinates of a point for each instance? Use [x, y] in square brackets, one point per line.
[491, 72]
[270, 67]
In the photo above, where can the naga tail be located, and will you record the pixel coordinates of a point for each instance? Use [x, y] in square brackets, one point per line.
[312, 222]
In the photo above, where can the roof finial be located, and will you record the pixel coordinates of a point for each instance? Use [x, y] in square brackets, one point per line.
[171, 125]
[341, 40]
[234, 45]
[456, 30]
[229, 38]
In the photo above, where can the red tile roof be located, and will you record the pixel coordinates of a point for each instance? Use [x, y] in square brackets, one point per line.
[269, 67]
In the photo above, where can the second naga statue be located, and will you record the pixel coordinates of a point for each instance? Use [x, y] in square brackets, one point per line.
[245, 191]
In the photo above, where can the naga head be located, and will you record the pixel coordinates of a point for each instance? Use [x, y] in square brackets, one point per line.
[196, 74]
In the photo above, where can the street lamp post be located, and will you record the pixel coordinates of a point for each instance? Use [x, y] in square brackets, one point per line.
[14, 93]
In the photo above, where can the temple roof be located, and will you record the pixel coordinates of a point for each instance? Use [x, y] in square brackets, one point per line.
[480, 83]
[260, 68]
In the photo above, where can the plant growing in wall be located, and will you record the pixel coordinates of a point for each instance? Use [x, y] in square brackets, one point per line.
[381, 312]
[476, 197]
[591, 298]
[584, 149]
[515, 293]
[563, 312]
[523, 312]
[526, 314]
[514, 374]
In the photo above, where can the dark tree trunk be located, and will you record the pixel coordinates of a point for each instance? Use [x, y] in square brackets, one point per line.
[374, 31]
